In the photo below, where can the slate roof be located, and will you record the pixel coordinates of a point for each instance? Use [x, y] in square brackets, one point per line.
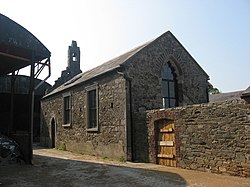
[246, 93]
[225, 96]
[229, 96]
[110, 66]
[99, 70]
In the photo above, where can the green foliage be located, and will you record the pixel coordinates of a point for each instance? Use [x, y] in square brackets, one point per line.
[122, 159]
[62, 147]
[212, 89]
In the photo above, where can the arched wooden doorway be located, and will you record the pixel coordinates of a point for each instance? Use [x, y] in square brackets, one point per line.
[53, 133]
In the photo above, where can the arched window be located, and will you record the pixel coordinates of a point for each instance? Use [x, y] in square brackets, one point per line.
[168, 87]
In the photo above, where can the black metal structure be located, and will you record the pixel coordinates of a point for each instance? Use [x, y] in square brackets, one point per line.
[18, 49]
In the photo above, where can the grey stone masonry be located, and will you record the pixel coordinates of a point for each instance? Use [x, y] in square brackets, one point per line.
[128, 85]
[212, 137]
[109, 140]
[145, 71]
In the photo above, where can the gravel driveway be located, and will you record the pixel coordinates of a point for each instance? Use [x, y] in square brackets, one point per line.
[61, 168]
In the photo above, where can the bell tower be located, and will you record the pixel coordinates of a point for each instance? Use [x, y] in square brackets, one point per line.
[73, 67]
[74, 59]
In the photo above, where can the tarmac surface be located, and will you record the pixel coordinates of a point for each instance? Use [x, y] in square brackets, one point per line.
[52, 167]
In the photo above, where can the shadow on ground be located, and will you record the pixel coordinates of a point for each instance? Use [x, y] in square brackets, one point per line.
[50, 171]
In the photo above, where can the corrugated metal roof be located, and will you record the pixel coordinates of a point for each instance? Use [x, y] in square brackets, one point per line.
[21, 85]
[18, 47]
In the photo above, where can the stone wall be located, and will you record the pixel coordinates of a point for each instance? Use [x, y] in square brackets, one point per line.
[143, 76]
[110, 140]
[212, 137]
[144, 70]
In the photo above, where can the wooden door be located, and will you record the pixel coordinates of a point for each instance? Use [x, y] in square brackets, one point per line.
[166, 153]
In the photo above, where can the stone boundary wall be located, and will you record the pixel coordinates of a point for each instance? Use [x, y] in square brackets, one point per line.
[213, 137]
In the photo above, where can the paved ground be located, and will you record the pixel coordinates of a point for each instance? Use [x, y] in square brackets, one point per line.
[61, 168]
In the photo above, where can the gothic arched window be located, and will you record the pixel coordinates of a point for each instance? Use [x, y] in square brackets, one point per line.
[168, 87]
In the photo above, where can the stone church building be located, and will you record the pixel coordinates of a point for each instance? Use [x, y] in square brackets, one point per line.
[103, 111]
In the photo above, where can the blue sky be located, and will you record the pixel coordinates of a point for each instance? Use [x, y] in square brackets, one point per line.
[215, 32]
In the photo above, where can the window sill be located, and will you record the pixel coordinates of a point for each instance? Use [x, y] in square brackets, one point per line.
[66, 125]
[92, 129]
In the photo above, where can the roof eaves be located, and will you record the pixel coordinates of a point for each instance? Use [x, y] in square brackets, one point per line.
[66, 86]
[246, 93]
[78, 81]
[12, 28]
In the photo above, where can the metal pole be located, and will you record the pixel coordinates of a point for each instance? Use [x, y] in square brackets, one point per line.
[31, 104]
[32, 98]
[32, 123]
[12, 83]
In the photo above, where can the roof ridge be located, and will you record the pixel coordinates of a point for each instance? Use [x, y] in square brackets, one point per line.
[114, 63]
[100, 69]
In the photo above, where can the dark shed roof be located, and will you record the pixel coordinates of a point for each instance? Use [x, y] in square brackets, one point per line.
[22, 85]
[18, 47]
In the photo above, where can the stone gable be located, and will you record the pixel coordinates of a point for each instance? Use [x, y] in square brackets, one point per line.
[127, 86]
[144, 71]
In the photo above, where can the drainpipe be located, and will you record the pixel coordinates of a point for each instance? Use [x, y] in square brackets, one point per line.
[129, 121]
